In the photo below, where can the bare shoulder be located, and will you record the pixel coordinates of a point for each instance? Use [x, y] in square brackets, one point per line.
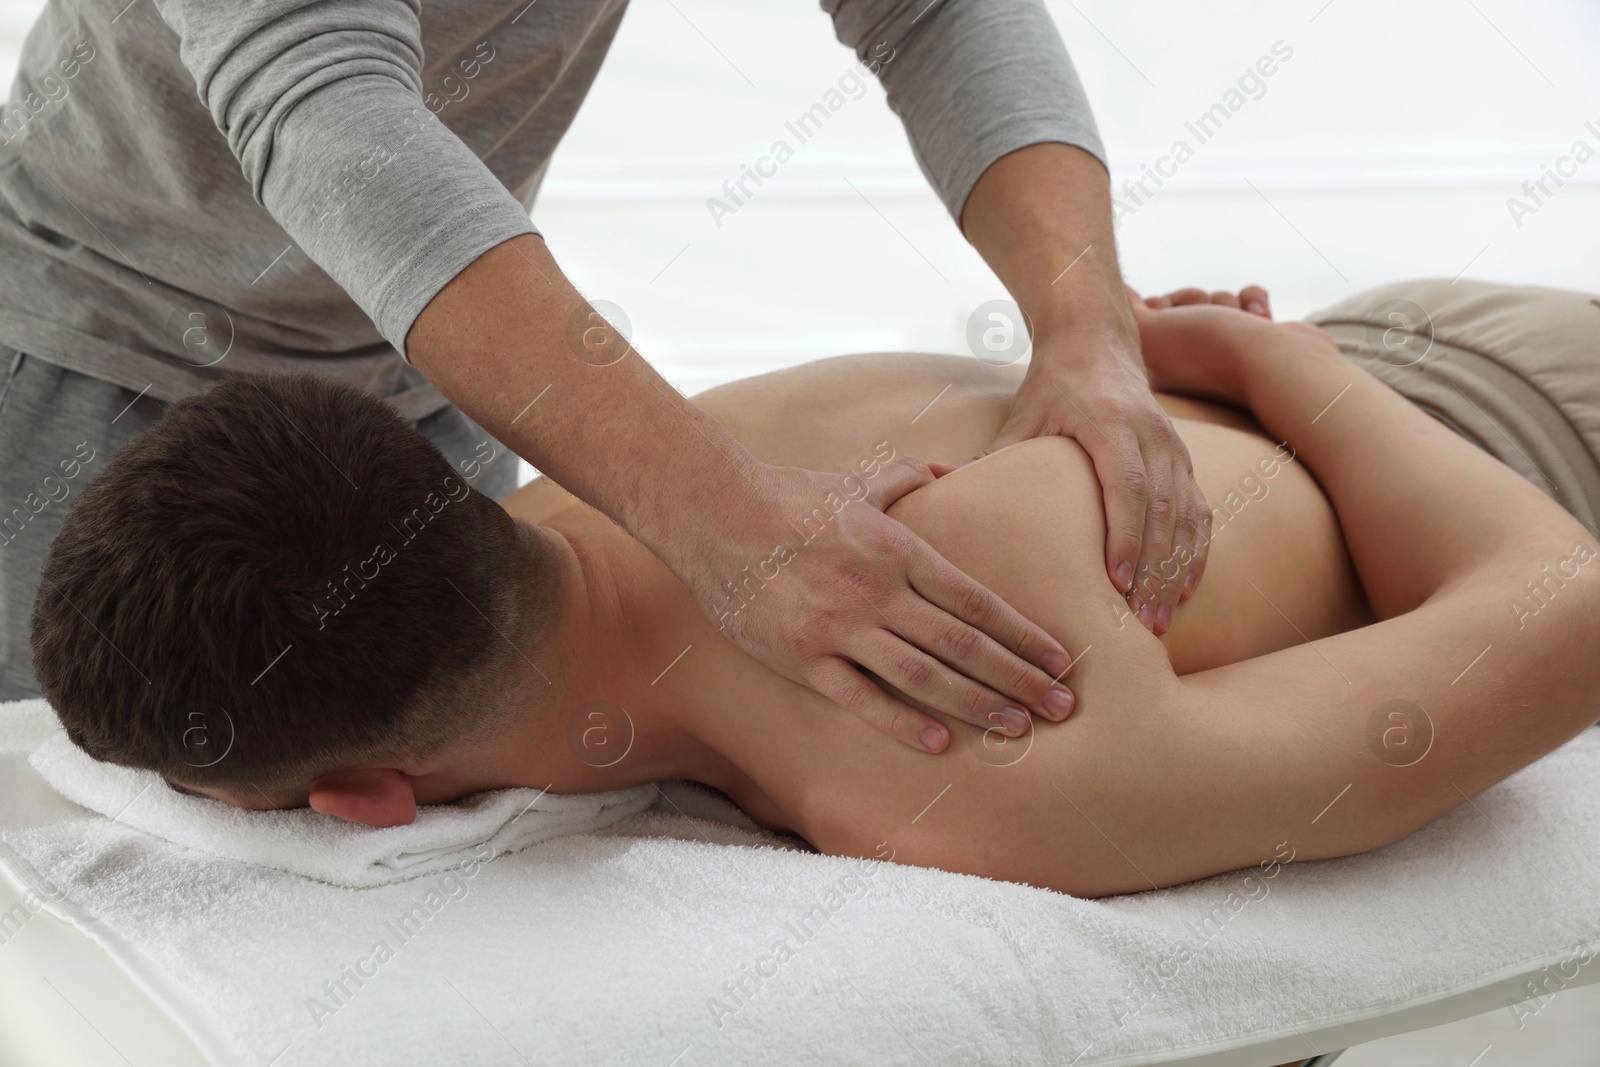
[1026, 522]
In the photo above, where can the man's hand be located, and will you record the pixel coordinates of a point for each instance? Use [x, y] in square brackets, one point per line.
[1157, 520]
[811, 578]
[1041, 217]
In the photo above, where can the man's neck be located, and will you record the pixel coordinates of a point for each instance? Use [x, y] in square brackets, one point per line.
[631, 699]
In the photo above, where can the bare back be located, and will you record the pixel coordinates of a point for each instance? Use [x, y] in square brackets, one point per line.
[1278, 575]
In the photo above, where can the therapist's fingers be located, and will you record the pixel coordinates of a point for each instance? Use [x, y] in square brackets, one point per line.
[847, 687]
[984, 638]
[963, 651]
[922, 677]
[1173, 513]
[1150, 587]
[873, 597]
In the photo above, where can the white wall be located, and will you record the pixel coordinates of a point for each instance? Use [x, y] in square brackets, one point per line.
[1386, 147]
[1390, 141]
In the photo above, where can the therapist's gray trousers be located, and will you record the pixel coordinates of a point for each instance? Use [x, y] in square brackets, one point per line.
[51, 419]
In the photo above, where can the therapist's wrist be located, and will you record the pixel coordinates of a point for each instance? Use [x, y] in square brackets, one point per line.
[1091, 308]
[1081, 343]
[706, 500]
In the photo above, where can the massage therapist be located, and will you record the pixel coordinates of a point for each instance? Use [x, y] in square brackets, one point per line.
[190, 188]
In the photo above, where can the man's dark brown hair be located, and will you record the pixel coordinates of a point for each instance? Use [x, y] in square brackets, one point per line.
[283, 570]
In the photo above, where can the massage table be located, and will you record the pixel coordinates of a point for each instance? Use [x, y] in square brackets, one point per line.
[623, 945]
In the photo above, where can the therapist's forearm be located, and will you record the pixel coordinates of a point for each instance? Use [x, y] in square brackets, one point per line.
[1041, 218]
[615, 435]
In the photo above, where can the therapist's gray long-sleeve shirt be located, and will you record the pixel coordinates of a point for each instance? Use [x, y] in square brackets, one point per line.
[189, 187]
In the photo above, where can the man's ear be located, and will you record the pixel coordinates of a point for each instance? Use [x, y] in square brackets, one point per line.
[377, 797]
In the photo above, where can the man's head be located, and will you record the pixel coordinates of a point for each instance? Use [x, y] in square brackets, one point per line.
[281, 579]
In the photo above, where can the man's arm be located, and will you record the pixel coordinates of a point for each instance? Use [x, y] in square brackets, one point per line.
[321, 104]
[1001, 127]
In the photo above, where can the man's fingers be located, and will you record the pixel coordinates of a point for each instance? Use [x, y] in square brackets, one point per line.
[1119, 465]
[895, 479]
[1154, 587]
[1168, 576]
[1197, 526]
[1202, 552]
[1253, 299]
[997, 646]
[1180, 297]
[998, 678]
[856, 693]
[942, 688]
[1182, 570]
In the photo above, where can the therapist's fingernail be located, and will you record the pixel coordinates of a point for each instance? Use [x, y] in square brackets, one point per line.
[1188, 585]
[1058, 702]
[1163, 618]
[1056, 663]
[932, 738]
[1144, 614]
[1014, 720]
[1124, 576]
[1255, 307]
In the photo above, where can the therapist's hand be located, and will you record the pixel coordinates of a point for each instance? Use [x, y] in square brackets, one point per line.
[1089, 383]
[867, 595]
[1041, 217]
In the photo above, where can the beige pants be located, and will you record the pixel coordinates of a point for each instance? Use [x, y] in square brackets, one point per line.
[1514, 369]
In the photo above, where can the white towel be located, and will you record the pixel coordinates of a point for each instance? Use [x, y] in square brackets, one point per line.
[667, 939]
[329, 849]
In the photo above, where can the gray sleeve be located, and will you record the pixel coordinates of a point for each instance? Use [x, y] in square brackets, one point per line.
[321, 103]
[971, 79]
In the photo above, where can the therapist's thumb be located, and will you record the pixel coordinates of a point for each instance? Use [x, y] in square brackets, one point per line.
[895, 479]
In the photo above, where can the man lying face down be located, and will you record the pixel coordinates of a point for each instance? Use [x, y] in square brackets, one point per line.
[283, 595]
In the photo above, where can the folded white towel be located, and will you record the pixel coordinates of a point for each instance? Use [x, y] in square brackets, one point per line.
[328, 849]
